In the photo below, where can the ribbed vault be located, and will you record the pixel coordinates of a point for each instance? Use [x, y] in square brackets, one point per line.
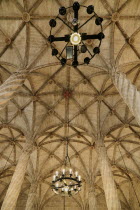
[55, 102]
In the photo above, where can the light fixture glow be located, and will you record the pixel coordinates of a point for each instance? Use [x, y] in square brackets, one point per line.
[66, 182]
[75, 39]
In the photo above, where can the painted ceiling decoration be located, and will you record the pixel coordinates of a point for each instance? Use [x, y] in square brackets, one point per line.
[98, 102]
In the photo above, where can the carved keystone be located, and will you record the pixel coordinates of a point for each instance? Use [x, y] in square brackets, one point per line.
[67, 94]
[7, 41]
[100, 98]
[89, 42]
[115, 16]
[126, 125]
[131, 40]
[26, 17]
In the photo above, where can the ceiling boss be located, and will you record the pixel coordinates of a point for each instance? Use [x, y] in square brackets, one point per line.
[75, 40]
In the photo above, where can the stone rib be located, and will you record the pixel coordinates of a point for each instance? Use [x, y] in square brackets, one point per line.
[11, 86]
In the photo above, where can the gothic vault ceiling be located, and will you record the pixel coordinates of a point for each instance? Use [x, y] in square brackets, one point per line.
[54, 97]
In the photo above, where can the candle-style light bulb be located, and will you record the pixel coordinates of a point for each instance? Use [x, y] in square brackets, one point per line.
[66, 189]
[79, 178]
[70, 171]
[54, 177]
[63, 171]
[57, 185]
[56, 173]
[76, 173]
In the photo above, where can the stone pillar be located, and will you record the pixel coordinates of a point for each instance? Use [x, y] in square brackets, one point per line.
[32, 196]
[14, 188]
[111, 195]
[128, 92]
[92, 200]
[11, 86]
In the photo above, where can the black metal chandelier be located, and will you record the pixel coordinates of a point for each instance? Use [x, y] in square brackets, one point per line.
[75, 40]
[66, 182]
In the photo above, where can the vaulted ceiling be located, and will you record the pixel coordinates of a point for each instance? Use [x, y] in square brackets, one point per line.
[55, 96]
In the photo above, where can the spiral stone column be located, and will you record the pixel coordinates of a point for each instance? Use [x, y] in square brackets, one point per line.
[128, 92]
[11, 86]
[92, 200]
[111, 195]
[32, 196]
[14, 188]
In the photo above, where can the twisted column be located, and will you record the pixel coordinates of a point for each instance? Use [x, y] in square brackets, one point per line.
[111, 195]
[32, 196]
[92, 200]
[10, 87]
[128, 92]
[14, 188]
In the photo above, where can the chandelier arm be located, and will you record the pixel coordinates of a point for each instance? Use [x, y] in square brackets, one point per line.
[75, 54]
[69, 178]
[70, 185]
[86, 21]
[65, 23]
[76, 17]
[94, 36]
[60, 39]
[93, 56]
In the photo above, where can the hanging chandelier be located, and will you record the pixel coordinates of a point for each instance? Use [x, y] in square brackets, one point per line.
[75, 44]
[66, 182]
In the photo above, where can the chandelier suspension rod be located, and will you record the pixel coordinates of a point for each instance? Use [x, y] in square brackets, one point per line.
[67, 158]
[84, 36]
[75, 54]
[76, 7]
